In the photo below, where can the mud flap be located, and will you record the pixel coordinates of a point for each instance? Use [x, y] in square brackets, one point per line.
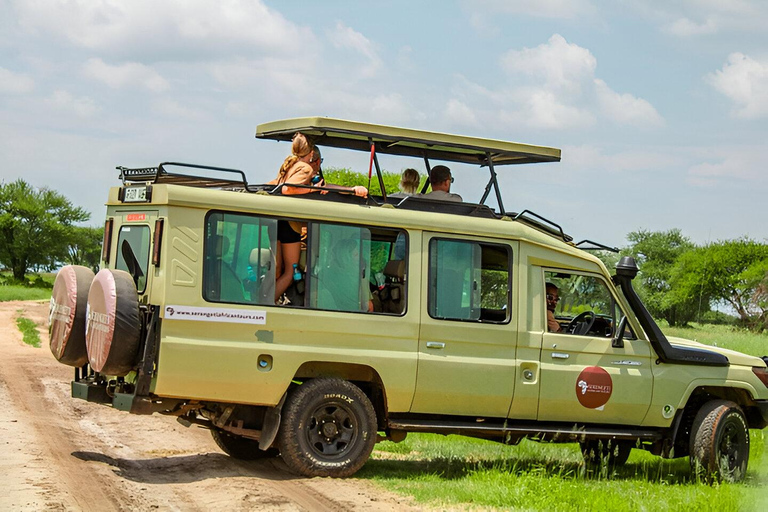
[271, 424]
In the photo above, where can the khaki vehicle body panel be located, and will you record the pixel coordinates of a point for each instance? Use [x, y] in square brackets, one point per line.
[510, 370]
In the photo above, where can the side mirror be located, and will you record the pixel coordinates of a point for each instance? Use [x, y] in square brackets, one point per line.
[618, 340]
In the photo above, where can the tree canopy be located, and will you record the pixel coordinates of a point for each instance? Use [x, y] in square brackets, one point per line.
[37, 226]
[656, 254]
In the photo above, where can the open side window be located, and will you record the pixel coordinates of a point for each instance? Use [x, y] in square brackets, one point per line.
[469, 281]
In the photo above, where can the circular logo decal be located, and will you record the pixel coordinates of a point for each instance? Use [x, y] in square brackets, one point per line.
[593, 387]
[668, 411]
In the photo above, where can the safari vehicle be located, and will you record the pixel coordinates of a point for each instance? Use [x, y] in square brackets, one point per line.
[409, 315]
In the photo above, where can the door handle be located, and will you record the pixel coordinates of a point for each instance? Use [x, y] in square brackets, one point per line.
[560, 355]
[435, 344]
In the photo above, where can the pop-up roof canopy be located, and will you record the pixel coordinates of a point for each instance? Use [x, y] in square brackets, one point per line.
[325, 131]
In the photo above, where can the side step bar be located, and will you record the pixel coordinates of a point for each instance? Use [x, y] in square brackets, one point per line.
[562, 432]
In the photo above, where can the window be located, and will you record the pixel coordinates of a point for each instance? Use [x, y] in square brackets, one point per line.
[586, 305]
[240, 259]
[341, 268]
[354, 269]
[469, 281]
[133, 253]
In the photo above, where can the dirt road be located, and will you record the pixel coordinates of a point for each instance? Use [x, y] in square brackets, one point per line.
[58, 453]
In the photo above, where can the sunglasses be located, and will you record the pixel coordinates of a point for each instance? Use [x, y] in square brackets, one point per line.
[552, 298]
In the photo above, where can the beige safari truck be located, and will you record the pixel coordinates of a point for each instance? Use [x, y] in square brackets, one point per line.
[404, 315]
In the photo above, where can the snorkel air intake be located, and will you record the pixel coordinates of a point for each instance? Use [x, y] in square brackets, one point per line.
[626, 270]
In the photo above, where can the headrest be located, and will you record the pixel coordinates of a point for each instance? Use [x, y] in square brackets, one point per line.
[220, 245]
[395, 268]
[261, 257]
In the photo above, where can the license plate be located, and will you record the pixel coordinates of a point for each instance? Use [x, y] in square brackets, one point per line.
[135, 195]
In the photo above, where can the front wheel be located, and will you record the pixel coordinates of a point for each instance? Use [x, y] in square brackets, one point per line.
[720, 442]
[328, 429]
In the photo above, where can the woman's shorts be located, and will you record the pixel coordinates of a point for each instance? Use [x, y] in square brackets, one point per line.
[286, 234]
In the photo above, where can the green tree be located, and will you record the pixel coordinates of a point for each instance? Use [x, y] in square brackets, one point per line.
[656, 254]
[348, 178]
[732, 273]
[36, 226]
[84, 247]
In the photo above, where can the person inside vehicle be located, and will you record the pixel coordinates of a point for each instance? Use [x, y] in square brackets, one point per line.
[440, 179]
[409, 184]
[301, 167]
[553, 297]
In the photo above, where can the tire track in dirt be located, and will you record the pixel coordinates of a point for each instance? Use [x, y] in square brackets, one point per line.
[60, 453]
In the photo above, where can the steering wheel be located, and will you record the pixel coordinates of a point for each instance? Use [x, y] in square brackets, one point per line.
[581, 324]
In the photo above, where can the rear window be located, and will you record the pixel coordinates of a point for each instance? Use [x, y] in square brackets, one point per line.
[133, 242]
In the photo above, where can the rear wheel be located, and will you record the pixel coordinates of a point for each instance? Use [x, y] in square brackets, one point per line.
[720, 442]
[609, 452]
[328, 429]
[240, 447]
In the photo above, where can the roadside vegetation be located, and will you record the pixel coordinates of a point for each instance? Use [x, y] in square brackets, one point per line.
[28, 330]
[453, 471]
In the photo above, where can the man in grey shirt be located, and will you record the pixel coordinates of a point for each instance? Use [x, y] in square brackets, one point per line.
[440, 179]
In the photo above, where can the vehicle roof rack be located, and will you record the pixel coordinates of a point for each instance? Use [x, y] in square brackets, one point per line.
[545, 225]
[596, 246]
[159, 175]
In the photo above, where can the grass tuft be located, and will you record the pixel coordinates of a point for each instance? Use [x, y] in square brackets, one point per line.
[19, 292]
[28, 329]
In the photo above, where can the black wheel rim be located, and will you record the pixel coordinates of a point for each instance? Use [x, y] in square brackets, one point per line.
[331, 431]
[731, 447]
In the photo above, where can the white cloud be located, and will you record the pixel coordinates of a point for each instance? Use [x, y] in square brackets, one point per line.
[552, 86]
[744, 81]
[684, 27]
[172, 108]
[457, 113]
[130, 74]
[65, 102]
[696, 18]
[343, 37]
[15, 83]
[728, 165]
[561, 65]
[171, 29]
[624, 108]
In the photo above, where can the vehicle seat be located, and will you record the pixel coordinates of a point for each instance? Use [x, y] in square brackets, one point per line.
[392, 298]
[261, 284]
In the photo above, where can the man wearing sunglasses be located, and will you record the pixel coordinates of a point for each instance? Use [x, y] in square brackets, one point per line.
[440, 179]
[553, 297]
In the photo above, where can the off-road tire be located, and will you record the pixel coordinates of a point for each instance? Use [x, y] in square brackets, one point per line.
[328, 428]
[719, 442]
[113, 326]
[608, 452]
[239, 447]
[66, 319]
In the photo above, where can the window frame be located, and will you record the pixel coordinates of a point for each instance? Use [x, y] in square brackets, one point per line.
[510, 271]
[118, 253]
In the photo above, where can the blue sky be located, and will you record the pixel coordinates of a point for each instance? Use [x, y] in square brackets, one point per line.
[660, 107]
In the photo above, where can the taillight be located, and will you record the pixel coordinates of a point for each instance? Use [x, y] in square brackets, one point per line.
[762, 374]
[107, 242]
[156, 241]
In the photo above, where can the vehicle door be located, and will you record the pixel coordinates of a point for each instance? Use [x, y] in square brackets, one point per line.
[131, 233]
[585, 376]
[467, 339]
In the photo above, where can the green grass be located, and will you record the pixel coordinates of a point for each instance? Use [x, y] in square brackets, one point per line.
[458, 472]
[29, 330]
[15, 292]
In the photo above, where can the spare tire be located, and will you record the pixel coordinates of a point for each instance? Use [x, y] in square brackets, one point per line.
[113, 327]
[66, 319]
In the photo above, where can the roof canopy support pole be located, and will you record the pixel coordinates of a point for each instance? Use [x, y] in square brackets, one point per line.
[492, 182]
[429, 170]
[378, 169]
